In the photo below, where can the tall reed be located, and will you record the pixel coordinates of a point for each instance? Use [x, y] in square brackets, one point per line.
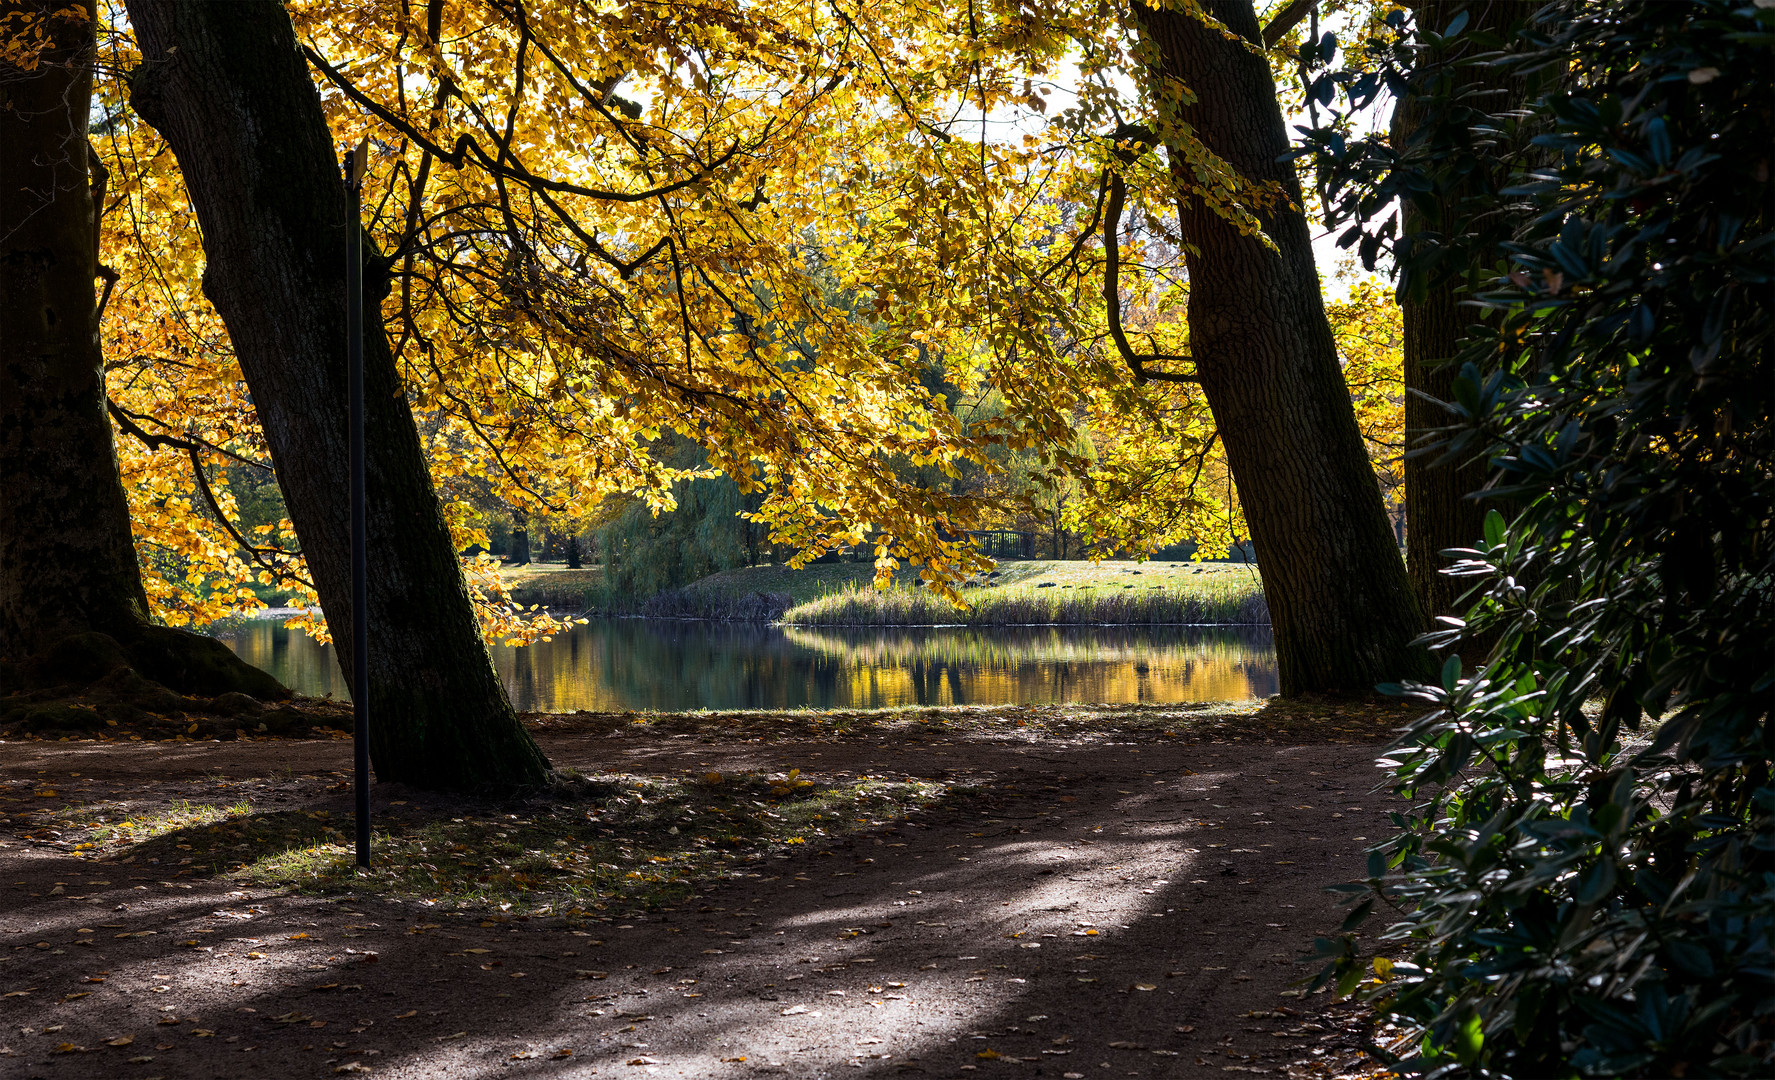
[1226, 603]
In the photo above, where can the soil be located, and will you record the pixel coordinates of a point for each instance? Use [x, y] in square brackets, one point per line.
[1096, 908]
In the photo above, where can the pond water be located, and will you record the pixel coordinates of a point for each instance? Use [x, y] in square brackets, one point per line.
[613, 665]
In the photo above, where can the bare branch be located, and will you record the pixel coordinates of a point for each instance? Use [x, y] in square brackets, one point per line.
[1286, 19]
[1112, 293]
[466, 147]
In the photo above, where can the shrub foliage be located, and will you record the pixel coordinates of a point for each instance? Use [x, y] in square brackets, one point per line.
[1586, 883]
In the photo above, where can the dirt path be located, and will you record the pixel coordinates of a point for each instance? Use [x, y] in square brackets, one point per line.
[1113, 910]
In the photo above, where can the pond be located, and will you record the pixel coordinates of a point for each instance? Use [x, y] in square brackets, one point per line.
[641, 664]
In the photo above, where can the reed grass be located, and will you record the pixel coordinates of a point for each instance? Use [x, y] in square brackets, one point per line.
[1217, 602]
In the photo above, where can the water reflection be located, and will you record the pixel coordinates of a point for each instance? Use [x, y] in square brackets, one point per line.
[641, 664]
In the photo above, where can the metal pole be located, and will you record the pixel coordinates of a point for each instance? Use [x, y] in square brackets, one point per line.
[360, 577]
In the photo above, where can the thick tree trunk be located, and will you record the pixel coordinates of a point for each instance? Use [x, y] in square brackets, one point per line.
[227, 87]
[1338, 595]
[1441, 512]
[67, 562]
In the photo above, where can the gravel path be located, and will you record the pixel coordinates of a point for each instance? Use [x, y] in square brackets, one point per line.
[1091, 910]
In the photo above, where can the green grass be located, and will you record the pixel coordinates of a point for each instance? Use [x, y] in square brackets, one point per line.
[613, 840]
[1034, 591]
[555, 587]
[800, 585]
[1056, 594]
[822, 579]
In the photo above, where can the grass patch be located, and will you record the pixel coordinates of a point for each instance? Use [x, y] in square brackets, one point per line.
[556, 587]
[1223, 599]
[611, 841]
[1268, 720]
[842, 593]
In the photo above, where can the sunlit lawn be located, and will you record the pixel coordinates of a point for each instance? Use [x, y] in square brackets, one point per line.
[820, 579]
[595, 842]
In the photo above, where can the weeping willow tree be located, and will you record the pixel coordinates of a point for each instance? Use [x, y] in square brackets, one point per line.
[646, 553]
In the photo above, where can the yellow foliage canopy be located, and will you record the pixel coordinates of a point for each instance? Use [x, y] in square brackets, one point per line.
[771, 228]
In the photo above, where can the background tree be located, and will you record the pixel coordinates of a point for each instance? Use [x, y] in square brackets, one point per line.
[645, 552]
[1447, 240]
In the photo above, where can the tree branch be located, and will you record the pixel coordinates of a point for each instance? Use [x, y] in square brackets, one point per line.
[266, 557]
[1112, 293]
[466, 147]
[1286, 19]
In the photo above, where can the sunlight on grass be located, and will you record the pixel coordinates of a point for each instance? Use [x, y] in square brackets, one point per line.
[1219, 598]
[183, 814]
[637, 840]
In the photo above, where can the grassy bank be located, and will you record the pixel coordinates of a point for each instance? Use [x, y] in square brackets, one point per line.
[555, 587]
[1222, 599]
[1031, 592]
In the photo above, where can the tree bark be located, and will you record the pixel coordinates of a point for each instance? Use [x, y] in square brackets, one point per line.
[1340, 602]
[68, 564]
[520, 545]
[1441, 511]
[227, 86]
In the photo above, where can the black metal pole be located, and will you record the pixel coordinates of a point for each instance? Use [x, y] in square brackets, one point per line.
[360, 577]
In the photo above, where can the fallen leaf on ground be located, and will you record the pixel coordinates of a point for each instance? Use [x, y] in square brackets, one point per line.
[121, 1040]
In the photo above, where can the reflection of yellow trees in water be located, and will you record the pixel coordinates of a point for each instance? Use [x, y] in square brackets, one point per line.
[1039, 664]
[297, 660]
[632, 664]
[639, 664]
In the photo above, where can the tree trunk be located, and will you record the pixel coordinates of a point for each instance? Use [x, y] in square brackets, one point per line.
[520, 545]
[573, 562]
[67, 561]
[227, 87]
[1339, 600]
[1441, 512]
